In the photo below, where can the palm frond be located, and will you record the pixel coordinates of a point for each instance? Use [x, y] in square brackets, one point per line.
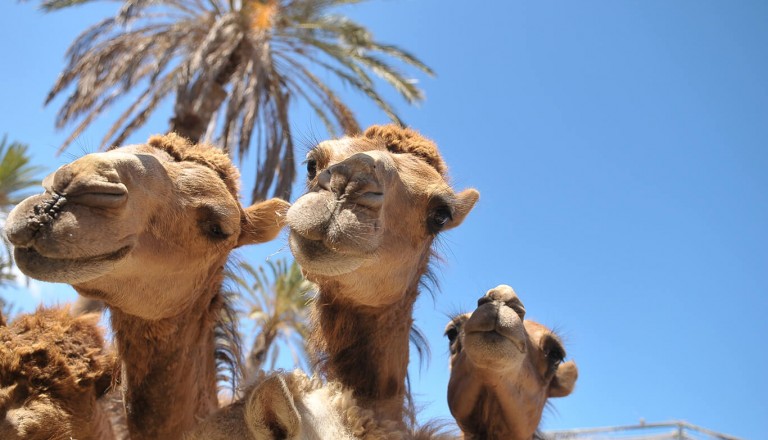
[274, 297]
[17, 174]
[234, 69]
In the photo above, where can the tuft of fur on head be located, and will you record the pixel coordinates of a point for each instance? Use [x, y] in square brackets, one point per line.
[181, 149]
[401, 140]
[51, 351]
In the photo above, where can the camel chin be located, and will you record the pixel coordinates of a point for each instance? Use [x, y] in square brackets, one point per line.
[67, 270]
[492, 350]
[316, 258]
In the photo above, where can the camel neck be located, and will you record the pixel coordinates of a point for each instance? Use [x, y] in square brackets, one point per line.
[365, 348]
[492, 420]
[169, 368]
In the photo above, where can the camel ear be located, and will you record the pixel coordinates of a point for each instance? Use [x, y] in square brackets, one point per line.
[270, 412]
[564, 380]
[465, 201]
[262, 221]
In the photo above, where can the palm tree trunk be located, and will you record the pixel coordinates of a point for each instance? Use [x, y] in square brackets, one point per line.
[259, 351]
[189, 122]
[192, 111]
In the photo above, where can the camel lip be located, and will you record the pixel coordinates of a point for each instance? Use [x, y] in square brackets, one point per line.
[311, 246]
[316, 257]
[493, 335]
[30, 253]
[319, 247]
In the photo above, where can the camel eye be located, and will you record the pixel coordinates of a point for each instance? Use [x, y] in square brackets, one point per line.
[311, 168]
[439, 218]
[215, 231]
[452, 333]
[210, 224]
[554, 353]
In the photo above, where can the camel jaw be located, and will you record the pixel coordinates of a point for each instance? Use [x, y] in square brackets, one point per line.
[316, 258]
[66, 270]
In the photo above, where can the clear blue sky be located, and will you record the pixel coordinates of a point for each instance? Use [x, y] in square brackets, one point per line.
[620, 151]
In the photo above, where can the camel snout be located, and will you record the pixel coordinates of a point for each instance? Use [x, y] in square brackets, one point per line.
[28, 217]
[354, 179]
[506, 295]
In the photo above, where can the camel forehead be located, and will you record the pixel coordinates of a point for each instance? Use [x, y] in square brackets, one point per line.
[413, 170]
[172, 149]
[143, 149]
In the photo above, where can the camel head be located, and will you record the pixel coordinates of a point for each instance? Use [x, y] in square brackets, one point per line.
[504, 368]
[53, 367]
[374, 205]
[164, 215]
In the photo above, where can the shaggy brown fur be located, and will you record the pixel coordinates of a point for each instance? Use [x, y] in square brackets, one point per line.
[53, 368]
[404, 140]
[349, 341]
[182, 150]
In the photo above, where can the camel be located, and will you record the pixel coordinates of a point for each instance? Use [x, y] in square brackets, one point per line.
[53, 368]
[292, 406]
[363, 234]
[503, 369]
[147, 229]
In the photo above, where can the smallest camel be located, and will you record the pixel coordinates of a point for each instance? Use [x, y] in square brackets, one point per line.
[53, 370]
[503, 369]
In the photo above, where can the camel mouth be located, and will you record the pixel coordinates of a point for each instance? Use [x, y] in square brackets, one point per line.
[30, 252]
[315, 256]
[499, 336]
[58, 269]
[493, 325]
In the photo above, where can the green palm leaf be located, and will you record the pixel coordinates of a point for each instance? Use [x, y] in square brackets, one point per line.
[275, 299]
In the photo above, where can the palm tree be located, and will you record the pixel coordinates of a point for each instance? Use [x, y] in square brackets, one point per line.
[233, 64]
[275, 298]
[17, 174]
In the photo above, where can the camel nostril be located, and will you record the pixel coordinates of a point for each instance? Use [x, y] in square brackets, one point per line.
[324, 180]
[484, 300]
[516, 305]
